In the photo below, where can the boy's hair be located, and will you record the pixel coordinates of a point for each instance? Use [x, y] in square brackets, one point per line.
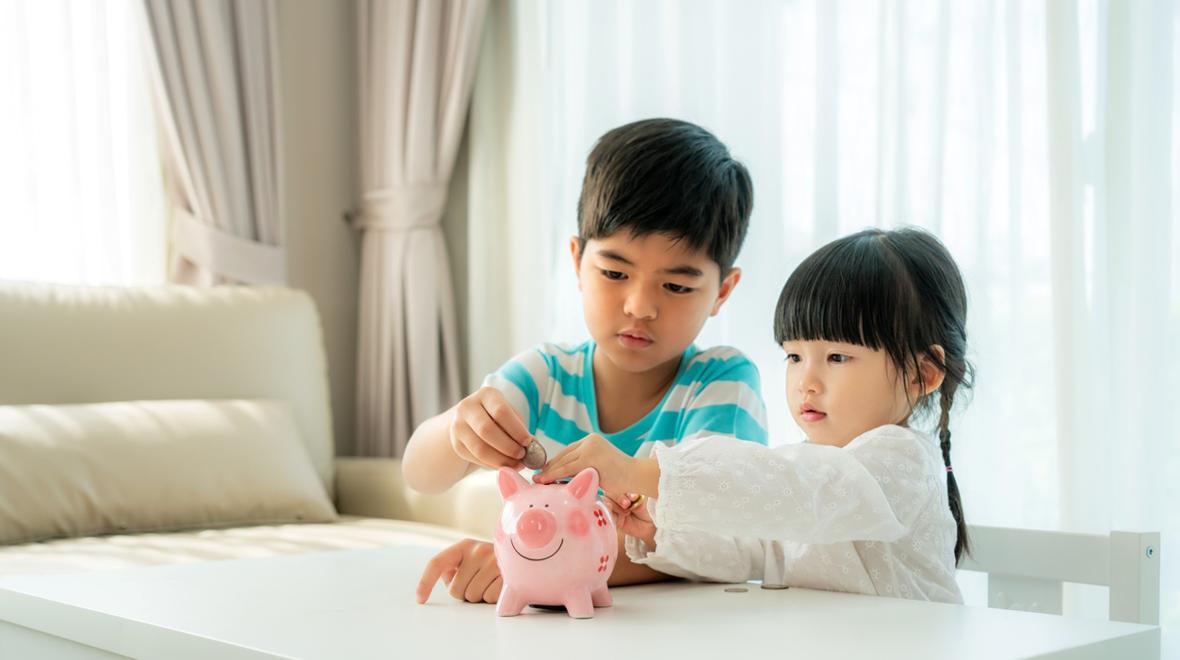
[668, 177]
[898, 291]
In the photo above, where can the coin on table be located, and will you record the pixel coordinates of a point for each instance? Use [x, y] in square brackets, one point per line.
[774, 586]
[534, 456]
[736, 590]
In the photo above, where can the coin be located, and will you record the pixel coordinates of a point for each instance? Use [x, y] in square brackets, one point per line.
[775, 586]
[534, 456]
[736, 590]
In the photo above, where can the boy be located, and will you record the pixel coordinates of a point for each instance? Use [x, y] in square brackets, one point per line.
[662, 215]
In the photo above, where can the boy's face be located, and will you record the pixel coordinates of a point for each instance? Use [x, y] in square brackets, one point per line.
[645, 299]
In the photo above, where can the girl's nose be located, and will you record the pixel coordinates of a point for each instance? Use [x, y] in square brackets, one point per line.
[807, 381]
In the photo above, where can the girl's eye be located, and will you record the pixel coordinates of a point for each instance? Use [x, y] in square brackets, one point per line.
[678, 288]
[793, 357]
[839, 358]
[613, 275]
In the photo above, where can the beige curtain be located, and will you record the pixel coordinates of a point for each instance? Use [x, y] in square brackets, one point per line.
[417, 63]
[217, 102]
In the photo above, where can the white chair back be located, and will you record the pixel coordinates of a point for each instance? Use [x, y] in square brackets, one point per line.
[1026, 569]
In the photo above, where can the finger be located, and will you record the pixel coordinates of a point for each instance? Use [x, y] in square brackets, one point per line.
[487, 428]
[618, 500]
[442, 563]
[480, 583]
[560, 467]
[492, 594]
[467, 571]
[481, 452]
[508, 420]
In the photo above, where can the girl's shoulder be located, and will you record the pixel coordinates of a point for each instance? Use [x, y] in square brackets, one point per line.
[896, 440]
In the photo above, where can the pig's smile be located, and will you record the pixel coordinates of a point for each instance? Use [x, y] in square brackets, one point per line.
[512, 542]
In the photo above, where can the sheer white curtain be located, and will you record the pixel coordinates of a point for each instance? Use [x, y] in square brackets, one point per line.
[1040, 141]
[81, 190]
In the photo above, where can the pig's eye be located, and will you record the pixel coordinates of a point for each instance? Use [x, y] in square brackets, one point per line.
[546, 506]
[530, 506]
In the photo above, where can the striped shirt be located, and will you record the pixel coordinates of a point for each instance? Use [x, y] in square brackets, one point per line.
[716, 392]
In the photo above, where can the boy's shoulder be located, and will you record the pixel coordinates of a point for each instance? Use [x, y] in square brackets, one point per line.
[553, 357]
[719, 356]
[720, 362]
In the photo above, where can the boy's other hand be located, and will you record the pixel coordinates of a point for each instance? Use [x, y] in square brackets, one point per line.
[615, 469]
[469, 570]
[487, 431]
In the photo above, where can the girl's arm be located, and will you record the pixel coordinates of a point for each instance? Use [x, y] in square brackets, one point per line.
[870, 490]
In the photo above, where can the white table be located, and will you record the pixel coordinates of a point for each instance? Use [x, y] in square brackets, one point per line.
[358, 604]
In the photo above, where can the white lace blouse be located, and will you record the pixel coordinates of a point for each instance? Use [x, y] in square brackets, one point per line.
[871, 517]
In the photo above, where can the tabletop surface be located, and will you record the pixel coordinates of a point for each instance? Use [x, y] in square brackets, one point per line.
[360, 603]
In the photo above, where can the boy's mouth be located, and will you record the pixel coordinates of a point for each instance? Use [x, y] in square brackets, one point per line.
[635, 339]
[810, 413]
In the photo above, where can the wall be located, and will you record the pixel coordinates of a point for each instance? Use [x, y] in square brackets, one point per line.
[321, 176]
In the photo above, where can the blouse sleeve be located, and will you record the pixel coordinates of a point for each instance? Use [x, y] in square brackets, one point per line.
[700, 556]
[870, 490]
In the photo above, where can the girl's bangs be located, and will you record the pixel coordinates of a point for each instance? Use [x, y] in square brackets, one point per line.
[836, 295]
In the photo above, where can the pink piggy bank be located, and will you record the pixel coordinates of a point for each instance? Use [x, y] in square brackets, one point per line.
[555, 544]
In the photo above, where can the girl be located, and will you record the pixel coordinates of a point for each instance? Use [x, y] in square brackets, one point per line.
[874, 330]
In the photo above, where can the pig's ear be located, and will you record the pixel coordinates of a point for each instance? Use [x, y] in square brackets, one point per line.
[585, 482]
[510, 482]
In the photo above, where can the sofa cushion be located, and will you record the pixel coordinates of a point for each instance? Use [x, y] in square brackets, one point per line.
[102, 468]
[132, 550]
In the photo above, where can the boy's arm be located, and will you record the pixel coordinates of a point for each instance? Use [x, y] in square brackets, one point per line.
[430, 465]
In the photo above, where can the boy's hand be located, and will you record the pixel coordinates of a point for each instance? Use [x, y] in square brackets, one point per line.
[616, 470]
[469, 570]
[487, 431]
[632, 517]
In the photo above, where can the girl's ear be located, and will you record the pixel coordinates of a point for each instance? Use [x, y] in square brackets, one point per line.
[930, 375]
[727, 285]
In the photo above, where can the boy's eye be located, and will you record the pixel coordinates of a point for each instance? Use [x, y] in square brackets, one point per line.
[678, 288]
[613, 274]
[839, 358]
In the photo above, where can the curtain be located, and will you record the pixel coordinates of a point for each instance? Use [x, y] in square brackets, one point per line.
[1039, 141]
[417, 62]
[81, 196]
[217, 97]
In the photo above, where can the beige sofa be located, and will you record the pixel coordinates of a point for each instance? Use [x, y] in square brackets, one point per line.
[62, 349]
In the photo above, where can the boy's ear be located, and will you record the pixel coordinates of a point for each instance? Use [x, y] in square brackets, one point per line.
[576, 255]
[931, 375]
[727, 285]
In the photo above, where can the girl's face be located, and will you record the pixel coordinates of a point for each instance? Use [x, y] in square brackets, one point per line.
[838, 391]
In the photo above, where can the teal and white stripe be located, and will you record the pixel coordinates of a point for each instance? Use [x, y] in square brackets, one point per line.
[716, 392]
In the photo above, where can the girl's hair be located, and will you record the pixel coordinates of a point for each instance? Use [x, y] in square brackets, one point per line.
[898, 291]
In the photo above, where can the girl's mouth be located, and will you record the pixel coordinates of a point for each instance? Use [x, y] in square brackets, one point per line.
[810, 414]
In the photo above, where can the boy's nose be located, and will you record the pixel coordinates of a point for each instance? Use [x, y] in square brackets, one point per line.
[640, 305]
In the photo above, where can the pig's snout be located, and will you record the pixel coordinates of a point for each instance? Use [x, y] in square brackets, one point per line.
[536, 528]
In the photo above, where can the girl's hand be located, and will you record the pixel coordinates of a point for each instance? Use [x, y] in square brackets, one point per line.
[632, 517]
[616, 470]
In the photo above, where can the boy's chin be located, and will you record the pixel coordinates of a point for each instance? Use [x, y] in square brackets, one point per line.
[636, 362]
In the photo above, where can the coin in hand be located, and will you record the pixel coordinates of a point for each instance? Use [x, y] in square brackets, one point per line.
[534, 456]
